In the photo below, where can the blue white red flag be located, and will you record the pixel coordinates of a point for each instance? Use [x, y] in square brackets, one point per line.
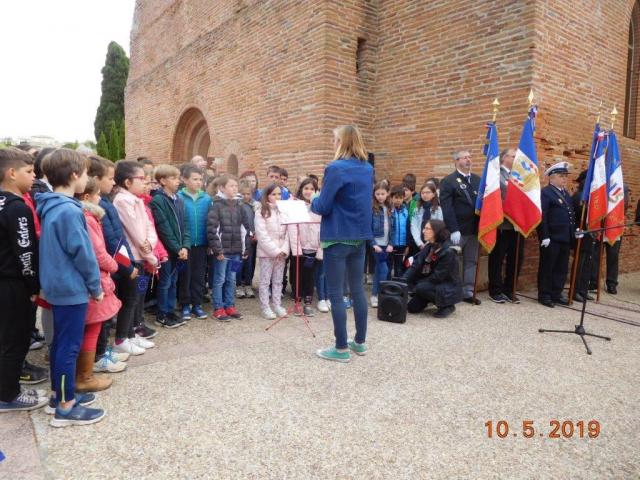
[489, 200]
[615, 187]
[522, 203]
[595, 184]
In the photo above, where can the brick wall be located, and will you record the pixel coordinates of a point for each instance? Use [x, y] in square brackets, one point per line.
[272, 78]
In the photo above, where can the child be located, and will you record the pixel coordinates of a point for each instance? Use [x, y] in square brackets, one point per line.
[251, 178]
[308, 249]
[102, 170]
[97, 313]
[274, 176]
[168, 214]
[142, 238]
[399, 238]
[18, 279]
[224, 237]
[69, 276]
[382, 226]
[245, 278]
[428, 207]
[273, 249]
[196, 206]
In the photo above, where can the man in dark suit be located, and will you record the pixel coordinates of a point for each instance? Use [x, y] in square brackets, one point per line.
[501, 286]
[557, 232]
[458, 192]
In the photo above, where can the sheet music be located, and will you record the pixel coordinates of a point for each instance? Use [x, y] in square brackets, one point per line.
[293, 211]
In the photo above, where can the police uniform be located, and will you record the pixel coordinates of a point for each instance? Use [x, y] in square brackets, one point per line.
[556, 233]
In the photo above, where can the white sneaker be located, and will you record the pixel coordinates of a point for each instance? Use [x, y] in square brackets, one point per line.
[374, 301]
[128, 347]
[280, 311]
[268, 314]
[108, 364]
[239, 292]
[143, 342]
[322, 306]
[118, 357]
[248, 292]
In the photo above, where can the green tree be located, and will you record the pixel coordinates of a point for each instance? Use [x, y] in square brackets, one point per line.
[102, 148]
[114, 80]
[91, 144]
[121, 130]
[71, 145]
[114, 141]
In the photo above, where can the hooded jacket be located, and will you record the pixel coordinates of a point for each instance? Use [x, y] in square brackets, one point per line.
[224, 234]
[137, 227]
[168, 214]
[69, 272]
[109, 306]
[273, 237]
[196, 211]
[18, 242]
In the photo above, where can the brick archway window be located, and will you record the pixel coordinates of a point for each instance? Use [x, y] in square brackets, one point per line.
[633, 74]
[232, 164]
[191, 137]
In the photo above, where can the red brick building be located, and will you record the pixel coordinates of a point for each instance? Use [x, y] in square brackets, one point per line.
[256, 82]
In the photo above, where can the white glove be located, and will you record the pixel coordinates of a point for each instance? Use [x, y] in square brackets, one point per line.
[545, 243]
[455, 238]
[579, 233]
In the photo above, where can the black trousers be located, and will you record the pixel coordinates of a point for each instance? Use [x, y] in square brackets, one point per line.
[613, 256]
[127, 290]
[191, 279]
[15, 335]
[103, 338]
[307, 275]
[552, 270]
[505, 249]
[585, 266]
[397, 262]
[425, 294]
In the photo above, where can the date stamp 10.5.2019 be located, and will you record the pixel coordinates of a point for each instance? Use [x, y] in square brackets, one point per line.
[555, 429]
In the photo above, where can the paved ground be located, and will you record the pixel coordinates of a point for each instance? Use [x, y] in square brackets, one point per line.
[232, 401]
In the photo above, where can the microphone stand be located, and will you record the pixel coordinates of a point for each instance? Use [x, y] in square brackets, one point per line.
[579, 329]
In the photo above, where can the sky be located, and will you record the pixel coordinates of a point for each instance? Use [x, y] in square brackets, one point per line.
[51, 54]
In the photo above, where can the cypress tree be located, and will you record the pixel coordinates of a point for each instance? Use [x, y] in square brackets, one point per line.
[114, 80]
[121, 130]
[102, 148]
[114, 141]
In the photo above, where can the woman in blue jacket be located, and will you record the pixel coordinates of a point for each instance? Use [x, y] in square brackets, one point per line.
[345, 204]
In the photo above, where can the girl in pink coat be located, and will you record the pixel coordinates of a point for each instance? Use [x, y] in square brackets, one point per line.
[107, 308]
[272, 250]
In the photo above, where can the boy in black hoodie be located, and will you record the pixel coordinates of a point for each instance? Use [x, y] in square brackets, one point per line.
[18, 279]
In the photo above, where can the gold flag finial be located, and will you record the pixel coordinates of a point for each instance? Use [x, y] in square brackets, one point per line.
[531, 97]
[614, 113]
[496, 106]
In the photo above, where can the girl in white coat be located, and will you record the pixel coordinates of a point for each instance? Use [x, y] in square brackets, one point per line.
[273, 249]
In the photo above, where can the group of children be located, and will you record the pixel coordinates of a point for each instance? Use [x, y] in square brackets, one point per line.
[112, 233]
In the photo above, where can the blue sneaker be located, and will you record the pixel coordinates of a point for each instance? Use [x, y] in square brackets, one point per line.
[23, 402]
[186, 312]
[84, 399]
[78, 415]
[198, 312]
[347, 302]
[330, 353]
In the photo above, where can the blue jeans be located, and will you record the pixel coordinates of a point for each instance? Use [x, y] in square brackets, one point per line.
[224, 282]
[381, 272]
[341, 260]
[68, 332]
[167, 286]
[321, 281]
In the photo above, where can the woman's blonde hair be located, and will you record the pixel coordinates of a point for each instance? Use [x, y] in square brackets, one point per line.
[351, 144]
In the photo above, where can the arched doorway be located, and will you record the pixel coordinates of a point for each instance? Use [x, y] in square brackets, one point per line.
[232, 164]
[191, 137]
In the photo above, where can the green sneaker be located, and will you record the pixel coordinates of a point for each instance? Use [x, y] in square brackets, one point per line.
[357, 348]
[330, 353]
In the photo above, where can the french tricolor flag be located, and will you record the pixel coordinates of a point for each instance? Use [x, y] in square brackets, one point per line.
[522, 202]
[596, 185]
[615, 201]
[122, 257]
[489, 200]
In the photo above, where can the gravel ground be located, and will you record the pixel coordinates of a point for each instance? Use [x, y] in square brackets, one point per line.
[217, 400]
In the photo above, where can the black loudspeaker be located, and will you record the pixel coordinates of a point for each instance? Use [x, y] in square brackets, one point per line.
[392, 302]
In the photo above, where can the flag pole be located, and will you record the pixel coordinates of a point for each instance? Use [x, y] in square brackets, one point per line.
[576, 255]
[496, 106]
[614, 113]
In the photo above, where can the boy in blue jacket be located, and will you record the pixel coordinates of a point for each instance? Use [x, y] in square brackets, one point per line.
[196, 208]
[69, 277]
[399, 234]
